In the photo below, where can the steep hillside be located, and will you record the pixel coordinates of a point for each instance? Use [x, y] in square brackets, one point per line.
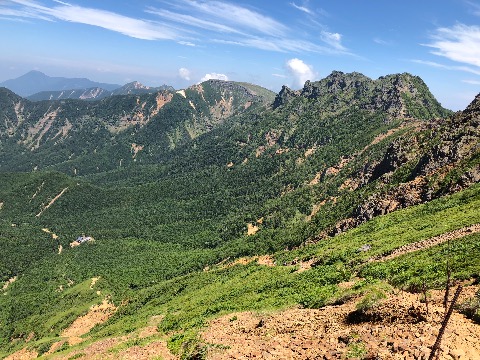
[96, 93]
[80, 137]
[399, 96]
[79, 94]
[335, 183]
[153, 314]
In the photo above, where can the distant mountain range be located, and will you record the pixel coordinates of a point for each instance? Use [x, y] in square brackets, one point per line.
[98, 93]
[37, 86]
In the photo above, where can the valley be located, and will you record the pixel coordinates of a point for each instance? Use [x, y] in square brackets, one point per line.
[231, 222]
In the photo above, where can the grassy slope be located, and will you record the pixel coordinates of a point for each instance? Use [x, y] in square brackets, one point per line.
[167, 221]
[187, 302]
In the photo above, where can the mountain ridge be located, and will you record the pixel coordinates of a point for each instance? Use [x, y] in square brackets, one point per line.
[192, 112]
[218, 201]
[396, 93]
[97, 93]
[36, 81]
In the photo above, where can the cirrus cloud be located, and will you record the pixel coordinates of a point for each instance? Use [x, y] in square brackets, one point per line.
[460, 43]
[189, 23]
[136, 28]
[333, 39]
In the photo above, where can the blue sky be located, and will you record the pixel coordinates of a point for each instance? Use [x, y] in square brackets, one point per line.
[267, 42]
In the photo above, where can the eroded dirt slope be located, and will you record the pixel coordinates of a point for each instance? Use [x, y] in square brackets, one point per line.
[398, 329]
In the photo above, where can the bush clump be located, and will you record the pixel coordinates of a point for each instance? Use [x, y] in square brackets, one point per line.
[471, 308]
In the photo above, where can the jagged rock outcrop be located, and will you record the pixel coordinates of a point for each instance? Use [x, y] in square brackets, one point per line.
[398, 95]
[473, 107]
[284, 96]
[338, 82]
[447, 166]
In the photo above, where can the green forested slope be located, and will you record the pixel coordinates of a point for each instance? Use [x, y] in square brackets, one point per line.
[330, 157]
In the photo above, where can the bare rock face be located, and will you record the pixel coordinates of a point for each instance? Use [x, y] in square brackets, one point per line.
[438, 159]
[474, 106]
[398, 95]
[284, 96]
[395, 156]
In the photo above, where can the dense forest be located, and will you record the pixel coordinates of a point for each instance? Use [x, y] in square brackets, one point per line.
[173, 183]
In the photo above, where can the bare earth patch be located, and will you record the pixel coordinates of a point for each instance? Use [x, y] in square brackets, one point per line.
[306, 265]
[148, 331]
[8, 282]
[106, 349]
[23, 354]
[266, 260]
[135, 149]
[97, 350]
[252, 229]
[54, 236]
[55, 347]
[239, 261]
[82, 325]
[94, 281]
[399, 329]
[51, 202]
[315, 180]
[151, 351]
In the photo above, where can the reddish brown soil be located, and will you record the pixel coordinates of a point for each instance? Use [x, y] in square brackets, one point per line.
[23, 354]
[96, 315]
[399, 328]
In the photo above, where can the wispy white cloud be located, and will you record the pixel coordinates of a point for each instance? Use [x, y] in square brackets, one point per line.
[333, 39]
[184, 73]
[282, 45]
[460, 43]
[300, 71]
[279, 76]
[216, 76]
[448, 67]
[241, 16]
[189, 23]
[6, 18]
[22, 13]
[192, 21]
[309, 10]
[241, 26]
[381, 41]
[187, 43]
[472, 82]
[302, 8]
[136, 28]
[475, 8]
[61, 2]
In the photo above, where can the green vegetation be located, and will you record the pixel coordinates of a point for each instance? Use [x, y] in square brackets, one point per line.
[471, 308]
[186, 303]
[168, 219]
[357, 350]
